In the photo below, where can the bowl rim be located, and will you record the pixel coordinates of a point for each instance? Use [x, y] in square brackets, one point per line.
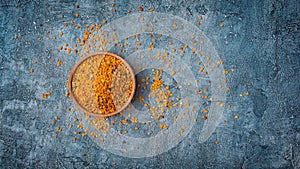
[79, 62]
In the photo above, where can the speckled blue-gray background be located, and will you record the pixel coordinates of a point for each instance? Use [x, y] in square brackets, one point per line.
[260, 40]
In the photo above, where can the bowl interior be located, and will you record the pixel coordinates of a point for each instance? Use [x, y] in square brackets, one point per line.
[82, 89]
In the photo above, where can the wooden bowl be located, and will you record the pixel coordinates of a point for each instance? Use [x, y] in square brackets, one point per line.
[82, 60]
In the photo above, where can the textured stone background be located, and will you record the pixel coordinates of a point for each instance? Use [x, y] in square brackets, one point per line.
[260, 40]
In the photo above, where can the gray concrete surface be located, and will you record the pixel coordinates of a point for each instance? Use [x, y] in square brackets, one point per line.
[260, 40]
